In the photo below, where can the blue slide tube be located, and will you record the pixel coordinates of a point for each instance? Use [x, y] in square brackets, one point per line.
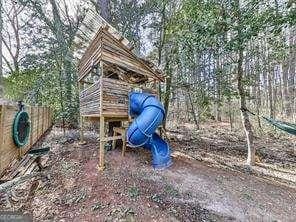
[149, 113]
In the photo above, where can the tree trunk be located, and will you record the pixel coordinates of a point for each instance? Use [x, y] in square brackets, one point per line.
[245, 117]
[161, 42]
[270, 94]
[258, 104]
[292, 74]
[241, 92]
[13, 50]
[280, 78]
[218, 89]
[16, 30]
[274, 92]
[167, 96]
[285, 88]
[229, 103]
[194, 115]
[61, 98]
[168, 86]
[1, 65]
[66, 63]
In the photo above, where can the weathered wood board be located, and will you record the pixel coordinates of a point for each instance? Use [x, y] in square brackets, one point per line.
[115, 98]
[107, 48]
[41, 121]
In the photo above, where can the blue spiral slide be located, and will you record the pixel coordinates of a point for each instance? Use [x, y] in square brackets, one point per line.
[149, 113]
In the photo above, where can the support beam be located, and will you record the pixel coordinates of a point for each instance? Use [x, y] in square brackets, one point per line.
[111, 138]
[102, 145]
[32, 125]
[2, 113]
[102, 124]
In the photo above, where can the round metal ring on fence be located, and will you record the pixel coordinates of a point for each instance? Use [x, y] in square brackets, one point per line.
[21, 129]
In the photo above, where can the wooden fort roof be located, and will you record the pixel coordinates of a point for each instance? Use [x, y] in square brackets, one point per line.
[97, 40]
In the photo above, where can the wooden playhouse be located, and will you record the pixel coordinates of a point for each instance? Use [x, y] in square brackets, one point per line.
[108, 70]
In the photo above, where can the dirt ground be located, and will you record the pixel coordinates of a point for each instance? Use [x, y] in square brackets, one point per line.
[217, 145]
[72, 189]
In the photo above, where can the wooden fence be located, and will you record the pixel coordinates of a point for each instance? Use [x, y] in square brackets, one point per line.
[41, 121]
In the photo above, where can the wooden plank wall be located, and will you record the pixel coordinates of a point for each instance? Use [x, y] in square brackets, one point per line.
[115, 98]
[105, 47]
[41, 121]
[92, 56]
[116, 53]
[90, 100]
[88, 30]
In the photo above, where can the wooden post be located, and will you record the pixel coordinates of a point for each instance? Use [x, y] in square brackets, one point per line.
[42, 126]
[31, 125]
[45, 118]
[102, 124]
[114, 141]
[2, 113]
[123, 143]
[49, 117]
[102, 144]
[38, 122]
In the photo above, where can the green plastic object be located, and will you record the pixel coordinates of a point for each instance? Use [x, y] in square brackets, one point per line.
[287, 127]
[21, 129]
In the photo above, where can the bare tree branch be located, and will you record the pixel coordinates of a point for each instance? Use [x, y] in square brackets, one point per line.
[8, 64]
